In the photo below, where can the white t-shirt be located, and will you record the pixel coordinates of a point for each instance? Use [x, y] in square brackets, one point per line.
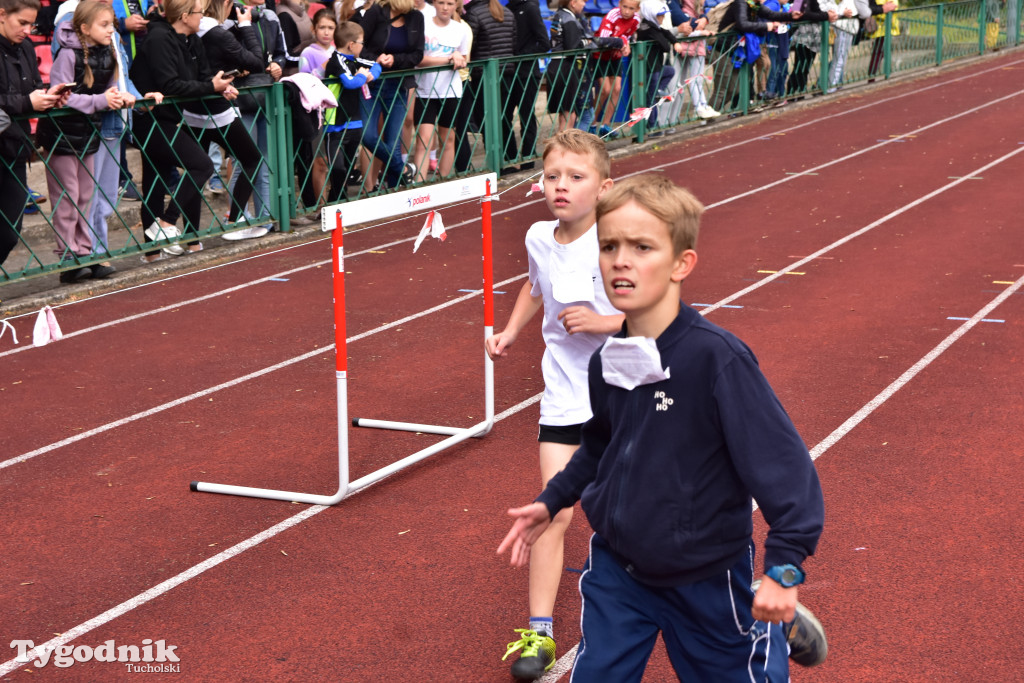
[442, 41]
[566, 275]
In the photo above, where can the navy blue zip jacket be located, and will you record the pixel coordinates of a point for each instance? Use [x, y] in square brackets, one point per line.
[666, 471]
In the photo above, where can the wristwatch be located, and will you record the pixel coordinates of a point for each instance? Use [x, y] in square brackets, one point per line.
[786, 575]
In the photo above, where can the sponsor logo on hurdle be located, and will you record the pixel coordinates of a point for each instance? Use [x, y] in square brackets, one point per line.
[154, 657]
[415, 201]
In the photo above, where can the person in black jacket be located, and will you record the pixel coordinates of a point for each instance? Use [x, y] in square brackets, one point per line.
[531, 39]
[252, 107]
[231, 45]
[21, 93]
[755, 19]
[806, 42]
[172, 61]
[686, 433]
[494, 35]
[662, 43]
[392, 37]
[569, 81]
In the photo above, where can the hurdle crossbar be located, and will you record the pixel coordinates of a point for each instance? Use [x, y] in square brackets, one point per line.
[378, 208]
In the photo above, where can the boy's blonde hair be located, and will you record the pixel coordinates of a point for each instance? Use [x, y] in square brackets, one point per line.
[663, 199]
[578, 142]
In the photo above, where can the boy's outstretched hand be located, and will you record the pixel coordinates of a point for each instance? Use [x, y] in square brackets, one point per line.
[531, 521]
[773, 603]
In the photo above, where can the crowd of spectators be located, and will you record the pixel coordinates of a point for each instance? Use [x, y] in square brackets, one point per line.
[384, 132]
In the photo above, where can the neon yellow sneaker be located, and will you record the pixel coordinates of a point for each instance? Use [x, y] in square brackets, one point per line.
[537, 656]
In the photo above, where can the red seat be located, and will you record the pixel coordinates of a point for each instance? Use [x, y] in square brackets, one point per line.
[45, 61]
[313, 8]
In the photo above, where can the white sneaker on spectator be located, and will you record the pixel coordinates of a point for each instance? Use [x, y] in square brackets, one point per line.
[706, 112]
[247, 233]
[158, 231]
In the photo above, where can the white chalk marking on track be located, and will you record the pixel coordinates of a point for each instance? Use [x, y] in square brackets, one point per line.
[517, 207]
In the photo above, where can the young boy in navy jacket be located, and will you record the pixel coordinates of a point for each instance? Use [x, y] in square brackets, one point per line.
[686, 432]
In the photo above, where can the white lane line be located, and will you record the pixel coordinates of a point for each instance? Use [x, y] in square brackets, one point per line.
[724, 302]
[209, 563]
[853, 235]
[239, 380]
[517, 207]
[565, 662]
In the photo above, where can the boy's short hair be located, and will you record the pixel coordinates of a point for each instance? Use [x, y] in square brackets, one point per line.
[579, 142]
[346, 32]
[675, 206]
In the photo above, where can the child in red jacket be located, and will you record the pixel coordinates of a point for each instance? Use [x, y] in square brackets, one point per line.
[621, 22]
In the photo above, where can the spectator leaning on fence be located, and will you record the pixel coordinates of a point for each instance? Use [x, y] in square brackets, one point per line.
[315, 56]
[877, 32]
[87, 58]
[621, 22]
[252, 110]
[846, 28]
[346, 77]
[172, 61]
[494, 36]
[531, 39]
[216, 120]
[687, 17]
[662, 44]
[806, 42]
[569, 79]
[392, 37]
[21, 92]
[439, 93]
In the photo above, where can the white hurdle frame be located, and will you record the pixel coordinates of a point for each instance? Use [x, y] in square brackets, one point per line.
[362, 211]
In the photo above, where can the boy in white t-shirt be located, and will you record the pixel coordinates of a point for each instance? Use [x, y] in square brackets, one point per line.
[566, 281]
[445, 43]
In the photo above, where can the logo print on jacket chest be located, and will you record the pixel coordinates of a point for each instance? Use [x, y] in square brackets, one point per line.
[663, 401]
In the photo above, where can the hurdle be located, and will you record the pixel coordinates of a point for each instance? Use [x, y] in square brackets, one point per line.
[367, 210]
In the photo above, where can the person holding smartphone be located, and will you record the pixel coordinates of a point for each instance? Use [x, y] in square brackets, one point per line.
[21, 92]
[172, 61]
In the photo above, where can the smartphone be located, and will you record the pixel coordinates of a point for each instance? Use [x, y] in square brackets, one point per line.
[234, 73]
[798, 6]
[66, 87]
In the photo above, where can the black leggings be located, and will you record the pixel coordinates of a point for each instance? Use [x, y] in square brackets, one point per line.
[13, 195]
[166, 145]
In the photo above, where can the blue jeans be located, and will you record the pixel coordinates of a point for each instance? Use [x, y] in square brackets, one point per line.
[389, 98]
[778, 53]
[256, 124]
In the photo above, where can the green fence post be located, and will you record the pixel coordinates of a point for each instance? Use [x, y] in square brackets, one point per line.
[745, 73]
[887, 68]
[981, 28]
[493, 139]
[285, 170]
[825, 29]
[938, 35]
[1012, 21]
[638, 92]
[273, 160]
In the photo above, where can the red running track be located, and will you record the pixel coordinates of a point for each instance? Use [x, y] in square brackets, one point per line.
[400, 582]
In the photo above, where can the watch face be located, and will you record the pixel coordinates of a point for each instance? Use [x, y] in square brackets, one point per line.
[788, 577]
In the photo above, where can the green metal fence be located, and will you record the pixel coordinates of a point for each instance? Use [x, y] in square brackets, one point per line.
[507, 108]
